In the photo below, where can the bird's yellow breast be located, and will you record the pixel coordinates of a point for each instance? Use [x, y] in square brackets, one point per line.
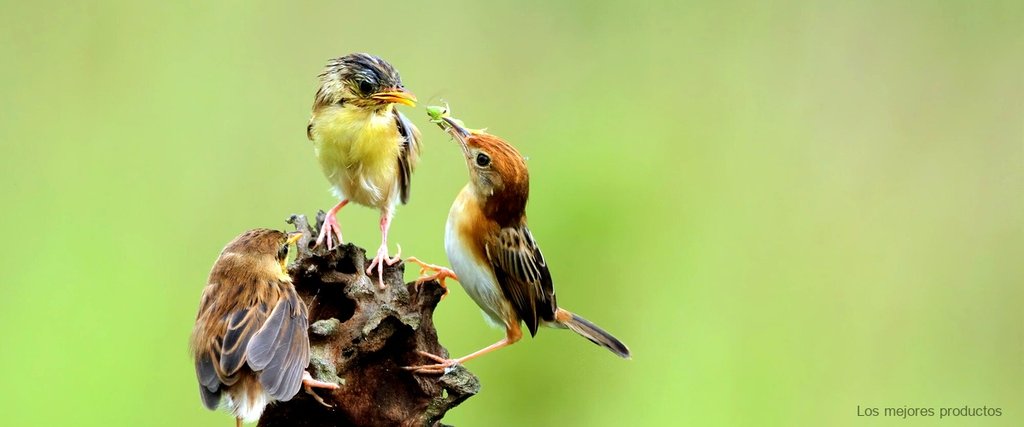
[358, 151]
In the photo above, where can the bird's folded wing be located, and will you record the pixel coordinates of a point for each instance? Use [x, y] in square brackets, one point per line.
[523, 275]
[222, 353]
[209, 382]
[279, 351]
[409, 154]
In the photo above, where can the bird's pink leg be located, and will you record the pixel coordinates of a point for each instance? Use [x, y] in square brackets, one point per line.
[382, 252]
[440, 274]
[512, 334]
[331, 227]
[308, 383]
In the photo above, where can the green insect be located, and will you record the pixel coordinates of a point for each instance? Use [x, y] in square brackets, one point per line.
[438, 113]
[443, 116]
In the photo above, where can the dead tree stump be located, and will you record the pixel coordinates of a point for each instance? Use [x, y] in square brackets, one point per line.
[360, 337]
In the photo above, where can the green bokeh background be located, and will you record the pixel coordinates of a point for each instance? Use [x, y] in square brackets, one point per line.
[786, 210]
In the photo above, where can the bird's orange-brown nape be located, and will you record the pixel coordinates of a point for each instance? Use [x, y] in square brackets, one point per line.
[500, 176]
[504, 157]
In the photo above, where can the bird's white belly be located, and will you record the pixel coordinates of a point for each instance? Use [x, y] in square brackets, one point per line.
[248, 408]
[478, 281]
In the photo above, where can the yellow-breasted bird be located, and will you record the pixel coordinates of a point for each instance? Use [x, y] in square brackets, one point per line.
[249, 343]
[493, 253]
[366, 148]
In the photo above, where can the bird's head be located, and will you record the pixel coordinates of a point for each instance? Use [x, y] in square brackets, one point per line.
[497, 171]
[361, 80]
[261, 246]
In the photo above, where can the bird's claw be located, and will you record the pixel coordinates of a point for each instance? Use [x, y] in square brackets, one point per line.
[329, 230]
[443, 366]
[308, 383]
[441, 273]
[381, 259]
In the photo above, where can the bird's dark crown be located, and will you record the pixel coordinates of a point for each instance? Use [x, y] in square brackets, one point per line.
[354, 78]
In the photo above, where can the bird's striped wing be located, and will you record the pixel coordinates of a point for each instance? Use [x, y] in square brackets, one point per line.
[270, 336]
[222, 355]
[409, 154]
[279, 350]
[522, 275]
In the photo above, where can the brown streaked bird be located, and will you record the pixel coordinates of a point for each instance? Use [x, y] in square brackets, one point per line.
[366, 148]
[249, 343]
[493, 253]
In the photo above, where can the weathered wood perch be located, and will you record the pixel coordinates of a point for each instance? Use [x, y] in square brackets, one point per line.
[361, 337]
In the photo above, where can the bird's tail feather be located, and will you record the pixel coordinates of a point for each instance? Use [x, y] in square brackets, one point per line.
[592, 332]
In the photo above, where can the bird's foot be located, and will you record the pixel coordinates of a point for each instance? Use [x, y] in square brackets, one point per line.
[381, 259]
[308, 383]
[328, 231]
[443, 366]
[440, 274]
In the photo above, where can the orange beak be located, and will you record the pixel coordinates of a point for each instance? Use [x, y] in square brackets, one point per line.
[395, 96]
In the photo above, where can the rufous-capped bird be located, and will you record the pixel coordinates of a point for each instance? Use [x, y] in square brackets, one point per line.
[366, 148]
[250, 344]
[492, 252]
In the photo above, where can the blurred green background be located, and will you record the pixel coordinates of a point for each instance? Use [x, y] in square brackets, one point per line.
[786, 210]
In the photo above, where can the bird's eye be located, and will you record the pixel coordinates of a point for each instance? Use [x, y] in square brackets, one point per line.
[365, 87]
[283, 252]
[482, 160]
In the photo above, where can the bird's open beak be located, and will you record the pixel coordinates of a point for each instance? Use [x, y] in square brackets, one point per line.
[395, 96]
[458, 132]
[294, 237]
